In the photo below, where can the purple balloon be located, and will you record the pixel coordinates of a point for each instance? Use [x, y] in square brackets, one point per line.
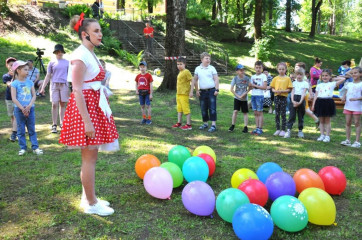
[279, 184]
[198, 198]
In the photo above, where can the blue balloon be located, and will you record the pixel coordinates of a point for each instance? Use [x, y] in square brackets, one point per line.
[195, 169]
[280, 184]
[252, 222]
[267, 169]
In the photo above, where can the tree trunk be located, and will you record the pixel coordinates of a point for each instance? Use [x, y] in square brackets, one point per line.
[288, 16]
[150, 6]
[174, 41]
[226, 11]
[257, 19]
[270, 12]
[319, 23]
[219, 7]
[315, 9]
[214, 11]
[238, 11]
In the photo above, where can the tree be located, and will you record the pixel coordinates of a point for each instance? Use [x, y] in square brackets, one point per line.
[315, 9]
[257, 19]
[3, 3]
[288, 14]
[175, 40]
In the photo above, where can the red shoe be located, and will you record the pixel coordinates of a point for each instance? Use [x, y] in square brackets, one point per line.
[177, 125]
[186, 127]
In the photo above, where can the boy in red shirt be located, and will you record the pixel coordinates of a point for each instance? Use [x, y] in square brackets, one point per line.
[144, 88]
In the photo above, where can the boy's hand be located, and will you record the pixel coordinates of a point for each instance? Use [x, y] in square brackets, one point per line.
[216, 93]
[198, 93]
[137, 93]
[151, 96]
[191, 95]
[343, 99]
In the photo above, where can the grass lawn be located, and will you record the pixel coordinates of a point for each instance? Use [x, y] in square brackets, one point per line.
[39, 195]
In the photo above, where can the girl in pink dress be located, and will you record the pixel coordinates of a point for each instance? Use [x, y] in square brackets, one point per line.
[88, 122]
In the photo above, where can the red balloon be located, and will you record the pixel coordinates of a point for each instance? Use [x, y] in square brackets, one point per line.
[210, 162]
[255, 190]
[306, 178]
[334, 180]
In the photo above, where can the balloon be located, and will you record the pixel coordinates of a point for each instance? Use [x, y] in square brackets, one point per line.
[305, 178]
[255, 190]
[228, 201]
[266, 169]
[198, 198]
[252, 222]
[320, 206]
[334, 180]
[279, 184]
[210, 162]
[195, 168]
[144, 163]
[175, 172]
[289, 214]
[205, 149]
[158, 183]
[242, 175]
[178, 154]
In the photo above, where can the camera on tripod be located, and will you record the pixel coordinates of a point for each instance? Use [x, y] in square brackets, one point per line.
[39, 52]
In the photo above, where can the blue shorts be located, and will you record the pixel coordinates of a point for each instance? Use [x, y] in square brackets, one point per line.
[145, 99]
[257, 103]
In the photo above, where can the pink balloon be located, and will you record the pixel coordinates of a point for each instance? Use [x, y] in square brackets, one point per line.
[334, 180]
[158, 183]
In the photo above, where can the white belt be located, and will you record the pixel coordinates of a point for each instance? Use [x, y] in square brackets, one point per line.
[103, 103]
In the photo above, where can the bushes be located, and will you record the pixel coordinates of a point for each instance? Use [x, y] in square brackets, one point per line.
[262, 48]
[129, 57]
[77, 9]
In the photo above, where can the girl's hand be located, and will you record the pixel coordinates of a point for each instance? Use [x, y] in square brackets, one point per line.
[312, 108]
[89, 129]
[353, 99]
[343, 99]
[198, 93]
[151, 96]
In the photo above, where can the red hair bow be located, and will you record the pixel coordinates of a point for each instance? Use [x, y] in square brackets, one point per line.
[79, 23]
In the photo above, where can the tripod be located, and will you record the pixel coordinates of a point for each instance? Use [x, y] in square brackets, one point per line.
[39, 60]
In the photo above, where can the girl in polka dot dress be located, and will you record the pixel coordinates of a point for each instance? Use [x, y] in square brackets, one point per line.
[88, 122]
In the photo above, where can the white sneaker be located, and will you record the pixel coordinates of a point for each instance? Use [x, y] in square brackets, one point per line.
[84, 202]
[346, 143]
[38, 151]
[282, 133]
[276, 133]
[22, 152]
[300, 134]
[287, 113]
[287, 134]
[356, 145]
[98, 209]
[327, 139]
[321, 137]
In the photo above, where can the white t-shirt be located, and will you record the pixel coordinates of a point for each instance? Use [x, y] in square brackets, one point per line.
[82, 53]
[354, 90]
[325, 90]
[206, 76]
[259, 81]
[299, 87]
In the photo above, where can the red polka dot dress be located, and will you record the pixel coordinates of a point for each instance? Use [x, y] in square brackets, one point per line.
[73, 131]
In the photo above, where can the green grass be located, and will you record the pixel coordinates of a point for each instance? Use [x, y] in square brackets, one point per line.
[39, 195]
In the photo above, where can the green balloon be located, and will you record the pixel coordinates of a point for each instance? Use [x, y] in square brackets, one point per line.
[178, 154]
[228, 201]
[289, 214]
[175, 172]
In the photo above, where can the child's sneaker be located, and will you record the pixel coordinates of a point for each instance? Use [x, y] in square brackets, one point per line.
[346, 143]
[282, 133]
[356, 145]
[254, 132]
[22, 152]
[245, 130]
[321, 138]
[143, 121]
[287, 134]
[203, 126]
[54, 128]
[276, 133]
[231, 129]
[148, 121]
[327, 139]
[98, 209]
[177, 125]
[186, 127]
[13, 136]
[38, 151]
[300, 134]
[259, 132]
[212, 129]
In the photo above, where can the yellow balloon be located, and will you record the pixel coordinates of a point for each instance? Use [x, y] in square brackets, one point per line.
[205, 149]
[320, 206]
[242, 175]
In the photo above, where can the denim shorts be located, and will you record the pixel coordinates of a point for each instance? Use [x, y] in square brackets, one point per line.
[257, 103]
[145, 100]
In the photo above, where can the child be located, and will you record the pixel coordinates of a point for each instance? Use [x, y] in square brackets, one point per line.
[323, 104]
[182, 97]
[297, 104]
[281, 86]
[144, 88]
[315, 73]
[107, 77]
[239, 87]
[268, 97]
[7, 78]
[258, 83]
[23, 96]
[353, 107]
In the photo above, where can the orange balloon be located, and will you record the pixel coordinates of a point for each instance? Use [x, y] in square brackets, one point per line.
[144, 163]
[306, 178]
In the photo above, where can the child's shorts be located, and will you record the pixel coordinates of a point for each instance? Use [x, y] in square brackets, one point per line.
[145, 100]
[59, 92]
[183, 104]
[10, 107]
[257, 103]
[348, 112]
[241, 105]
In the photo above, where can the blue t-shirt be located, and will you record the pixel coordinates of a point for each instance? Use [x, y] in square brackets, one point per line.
[23, 91]
[7, 78]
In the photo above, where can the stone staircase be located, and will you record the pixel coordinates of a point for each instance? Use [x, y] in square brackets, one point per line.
[131, 35]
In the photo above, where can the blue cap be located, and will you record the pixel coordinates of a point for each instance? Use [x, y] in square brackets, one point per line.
[143, 63]
[238, 67]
